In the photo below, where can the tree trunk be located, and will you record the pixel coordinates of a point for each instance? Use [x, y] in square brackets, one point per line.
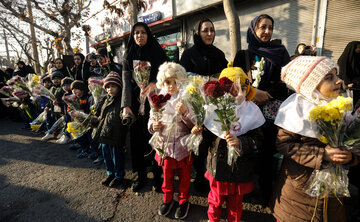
[234, 26]
[133, 16]
[33, 40]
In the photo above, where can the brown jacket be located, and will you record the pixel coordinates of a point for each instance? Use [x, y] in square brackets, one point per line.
[290, 203]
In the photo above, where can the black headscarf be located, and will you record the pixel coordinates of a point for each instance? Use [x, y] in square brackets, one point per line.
[349, 63]
[63, 70]
[78, 69]
[275, 54]
[151, 51]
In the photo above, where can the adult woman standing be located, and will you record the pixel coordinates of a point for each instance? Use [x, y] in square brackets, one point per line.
[141, 46]
[77, 69]
[205, 59]
[349, 64]
[60, 66]
[270, 90]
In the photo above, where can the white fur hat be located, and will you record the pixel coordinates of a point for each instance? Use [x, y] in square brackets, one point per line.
[304, 74]
[167, 70]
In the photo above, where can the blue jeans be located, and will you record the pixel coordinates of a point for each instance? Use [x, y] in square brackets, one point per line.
[114, 160]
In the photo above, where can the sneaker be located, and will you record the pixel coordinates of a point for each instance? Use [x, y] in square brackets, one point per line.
[165, 208]
[116, 183]
[98, 161]
[46, 137]
[82, 155]
[182, 210]
[107, 181]
[92, 155]
[74, 146]
[58, 136]
[63, 140]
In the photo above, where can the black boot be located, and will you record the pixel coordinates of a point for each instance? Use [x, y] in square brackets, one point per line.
[139, 182]
[157, 183]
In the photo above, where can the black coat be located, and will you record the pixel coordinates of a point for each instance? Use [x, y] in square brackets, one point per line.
[242, 170]
[203, 60]
[110, 131]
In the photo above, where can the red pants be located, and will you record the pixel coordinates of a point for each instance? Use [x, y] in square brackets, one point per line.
[183, 168]
[232, 193]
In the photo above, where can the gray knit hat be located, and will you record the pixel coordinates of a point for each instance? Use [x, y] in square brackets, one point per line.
[304, 74]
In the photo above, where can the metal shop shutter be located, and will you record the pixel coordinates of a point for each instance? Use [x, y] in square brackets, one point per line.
[342, 26]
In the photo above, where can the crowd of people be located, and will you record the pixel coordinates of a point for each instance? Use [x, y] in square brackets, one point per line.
[269, 94]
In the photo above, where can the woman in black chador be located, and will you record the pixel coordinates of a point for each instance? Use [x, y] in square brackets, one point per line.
[141, 46]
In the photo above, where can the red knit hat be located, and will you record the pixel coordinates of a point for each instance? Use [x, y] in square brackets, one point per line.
[113, 78]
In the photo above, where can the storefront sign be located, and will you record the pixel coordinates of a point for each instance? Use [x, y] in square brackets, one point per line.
[153, 17]
[102, 36]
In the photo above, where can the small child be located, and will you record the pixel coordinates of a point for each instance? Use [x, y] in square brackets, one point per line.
[54, 107]
[231, 183]
[79, 89]
[46, 81]
[176, 155]
[316, 82]
[65, 85]
[111, 133]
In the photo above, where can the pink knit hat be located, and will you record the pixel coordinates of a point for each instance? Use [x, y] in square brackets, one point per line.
[304, 73]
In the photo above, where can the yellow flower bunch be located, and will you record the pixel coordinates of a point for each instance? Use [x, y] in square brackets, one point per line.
[191, 89]
[35, 127]
[72, 128]
[333, 111]
[36, 80]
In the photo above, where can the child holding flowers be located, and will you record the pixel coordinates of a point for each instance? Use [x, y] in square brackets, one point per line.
[316, 82]
[174, 156]
[66, 86]
[53, 106]
[111, 133]
[242, 133]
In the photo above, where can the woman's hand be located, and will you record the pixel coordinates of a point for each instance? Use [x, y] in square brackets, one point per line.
[261, 97]
[232, 140]
[196, 129]
[350, 85]
[127, 110]
[181, 108]
[149, 88]
[157, 126]
[336, 155]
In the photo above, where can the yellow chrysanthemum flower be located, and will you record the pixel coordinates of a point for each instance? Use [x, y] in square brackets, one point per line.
[323, 140]
[191, 89]
[35, 127]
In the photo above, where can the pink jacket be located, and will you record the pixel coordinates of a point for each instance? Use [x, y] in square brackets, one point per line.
[174, 129]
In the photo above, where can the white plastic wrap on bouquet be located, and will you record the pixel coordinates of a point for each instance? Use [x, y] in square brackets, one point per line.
[332, 181]
[192, 142]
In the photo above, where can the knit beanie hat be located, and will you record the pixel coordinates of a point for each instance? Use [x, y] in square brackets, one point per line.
[236, 73]
[304, 74]
[45, 78]
[78, 84]
[66, 81]
[56, 74]
[113, 78]
[168, 70]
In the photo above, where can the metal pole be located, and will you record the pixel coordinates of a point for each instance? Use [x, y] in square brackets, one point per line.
[7, 50]
[87, 42]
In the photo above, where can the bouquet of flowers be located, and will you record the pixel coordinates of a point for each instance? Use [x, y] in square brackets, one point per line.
[33, 80]
[72, 101]
[12, 101]
[331, 125]
[194, 95]
[76, 129]
[40, 90]
[141, 77]
[352, 136]
[57, 126]
[258, 72]
[218, 94]
[36, 124]
[18, 84]
[97, 90]
[157, 103]
[78, 116]
[6, 91]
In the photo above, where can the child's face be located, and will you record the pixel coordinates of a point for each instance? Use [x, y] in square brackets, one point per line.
[171, 86]
[112, 89]
[47, 84]
[66, 87]
[239, 95]
[330, 85]
[56, 81]
[78, 93]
